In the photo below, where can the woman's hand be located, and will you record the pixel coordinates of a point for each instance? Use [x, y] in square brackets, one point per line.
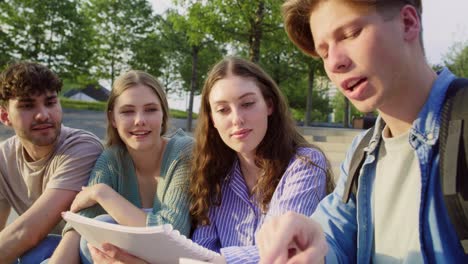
[87, 197]
[112, 254]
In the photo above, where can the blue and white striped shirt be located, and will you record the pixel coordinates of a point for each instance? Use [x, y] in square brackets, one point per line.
[235, 222]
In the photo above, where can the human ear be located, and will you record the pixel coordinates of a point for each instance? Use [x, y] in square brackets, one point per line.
[212, 121]
[4, 117]
[110, 117]
[411, 23]
[269, 104]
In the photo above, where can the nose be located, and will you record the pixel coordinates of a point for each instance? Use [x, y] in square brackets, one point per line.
[237, 117]
[338, 61]
[42, 114]
[140, 119]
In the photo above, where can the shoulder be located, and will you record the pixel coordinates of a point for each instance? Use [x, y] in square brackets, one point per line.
[10, 144]
[79, 139]
[179, 142]
[9, 149]
[113, 153]
[307, 154]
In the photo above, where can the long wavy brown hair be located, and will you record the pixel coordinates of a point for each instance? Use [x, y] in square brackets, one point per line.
[213, 159]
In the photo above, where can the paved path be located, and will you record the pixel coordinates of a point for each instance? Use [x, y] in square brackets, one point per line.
[94, 121]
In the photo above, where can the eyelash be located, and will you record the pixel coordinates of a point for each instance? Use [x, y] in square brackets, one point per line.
[352, 34]
[224, 110]
[146, 110]
[248, 104]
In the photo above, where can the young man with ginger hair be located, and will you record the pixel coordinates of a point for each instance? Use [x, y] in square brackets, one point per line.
[372, 50]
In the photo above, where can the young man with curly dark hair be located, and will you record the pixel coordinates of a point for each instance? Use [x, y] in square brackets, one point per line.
[42, 167]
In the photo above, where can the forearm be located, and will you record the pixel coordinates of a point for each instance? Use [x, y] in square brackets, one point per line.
[124, 212]
[35, 224]
[16, 239]
[68, 249]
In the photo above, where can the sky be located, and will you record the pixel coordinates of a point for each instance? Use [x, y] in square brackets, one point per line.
[445, 22]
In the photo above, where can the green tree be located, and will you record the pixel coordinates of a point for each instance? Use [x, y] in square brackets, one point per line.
[296, 74]
[457, 59]
[53, 32]
[339, 106]
[5, 44]
[190, 47]
[148, 55]
[245, 24]
[119, 26]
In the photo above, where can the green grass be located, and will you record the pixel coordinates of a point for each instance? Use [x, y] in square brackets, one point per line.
[181, 114]
[101, 106]
[82, 105]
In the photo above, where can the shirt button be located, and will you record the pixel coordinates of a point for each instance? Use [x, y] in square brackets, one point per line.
[430, 136]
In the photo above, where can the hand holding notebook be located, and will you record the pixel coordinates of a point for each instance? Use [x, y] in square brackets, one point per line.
[155, 244]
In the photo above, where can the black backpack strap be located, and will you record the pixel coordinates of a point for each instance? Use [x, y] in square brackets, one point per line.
[453, 146]
[355, 166]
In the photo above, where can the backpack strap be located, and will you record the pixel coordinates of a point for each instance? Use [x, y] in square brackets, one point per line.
[453, 146]
[355, 166]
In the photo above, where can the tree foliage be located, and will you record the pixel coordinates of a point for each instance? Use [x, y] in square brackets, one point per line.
[119, 26]
[339, 109]
[191, 49]
[457, 59]
[53, 32]
[89, 40]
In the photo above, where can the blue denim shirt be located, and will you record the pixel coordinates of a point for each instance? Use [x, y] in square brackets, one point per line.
[349, 227]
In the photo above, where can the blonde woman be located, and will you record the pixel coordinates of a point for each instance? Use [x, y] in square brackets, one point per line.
[141, 179]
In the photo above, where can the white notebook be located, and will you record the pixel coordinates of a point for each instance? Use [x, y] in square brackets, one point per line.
[155, 244]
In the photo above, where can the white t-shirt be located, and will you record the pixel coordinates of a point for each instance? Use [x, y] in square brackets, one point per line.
[396, 201]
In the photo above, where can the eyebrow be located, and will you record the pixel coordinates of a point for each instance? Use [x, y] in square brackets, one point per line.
[148, 104]
[240, 97]
[340, 30]
[25, 100]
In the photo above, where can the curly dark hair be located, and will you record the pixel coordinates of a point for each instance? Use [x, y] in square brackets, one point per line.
[26, 78]
[214, 159]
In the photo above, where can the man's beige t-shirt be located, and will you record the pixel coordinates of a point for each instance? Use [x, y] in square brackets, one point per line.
[395, 202]
[67, 167]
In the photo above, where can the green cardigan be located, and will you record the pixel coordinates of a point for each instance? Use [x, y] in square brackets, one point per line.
[171, 203]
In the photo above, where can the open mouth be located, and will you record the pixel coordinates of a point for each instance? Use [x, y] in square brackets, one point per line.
[350, 86]
[140, 133]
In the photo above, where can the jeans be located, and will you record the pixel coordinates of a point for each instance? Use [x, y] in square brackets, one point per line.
[84, 251]
[41, 251]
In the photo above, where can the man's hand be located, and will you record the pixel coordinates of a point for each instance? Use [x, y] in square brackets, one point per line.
[291, 238]
[112, 254]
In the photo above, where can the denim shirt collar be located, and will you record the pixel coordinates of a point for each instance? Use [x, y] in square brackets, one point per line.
[425, 128]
